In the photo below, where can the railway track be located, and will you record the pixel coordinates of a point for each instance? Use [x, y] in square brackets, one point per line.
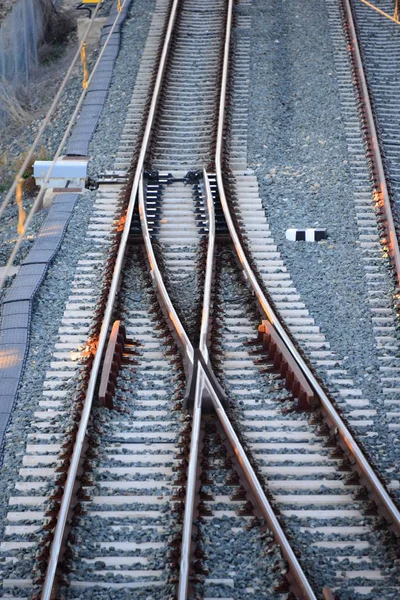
[129, 491]
[378, 45]
[309, 479]
[142, 475]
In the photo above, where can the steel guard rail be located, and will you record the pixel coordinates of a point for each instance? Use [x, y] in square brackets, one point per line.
[376, 488]
[81, 434]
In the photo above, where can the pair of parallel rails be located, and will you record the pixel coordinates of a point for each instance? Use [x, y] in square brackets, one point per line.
[285, 355]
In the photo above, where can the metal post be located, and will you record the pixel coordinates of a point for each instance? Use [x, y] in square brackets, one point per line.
[85, 69]
[21, 212]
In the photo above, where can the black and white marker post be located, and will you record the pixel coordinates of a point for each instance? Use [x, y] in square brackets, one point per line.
[306, 235]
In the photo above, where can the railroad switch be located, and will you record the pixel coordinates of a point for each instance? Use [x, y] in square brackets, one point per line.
[207, 405]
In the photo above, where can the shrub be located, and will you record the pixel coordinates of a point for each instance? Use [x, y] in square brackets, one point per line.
[9, 168]
[14, 101]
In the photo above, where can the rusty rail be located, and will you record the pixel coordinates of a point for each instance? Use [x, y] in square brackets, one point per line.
[203, 384]
[191, 486]
[381, 194]
[70, 484]
[188, 352]
[112, 364]
[376, 489]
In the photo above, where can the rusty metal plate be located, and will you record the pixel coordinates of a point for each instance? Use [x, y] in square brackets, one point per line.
[288, 367]
[111, 365]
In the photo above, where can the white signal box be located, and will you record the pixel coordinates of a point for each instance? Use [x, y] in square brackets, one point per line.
[65, 173]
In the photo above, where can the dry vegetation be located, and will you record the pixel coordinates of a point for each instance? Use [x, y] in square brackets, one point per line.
[21, 101]
[59, 22]
[11, 164]
[24, 104]
[16, 103]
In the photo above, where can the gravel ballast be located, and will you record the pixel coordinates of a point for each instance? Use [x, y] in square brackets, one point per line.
[297, 148]
[285, 460]
[48, 309]
[299, 154]
[51, 299]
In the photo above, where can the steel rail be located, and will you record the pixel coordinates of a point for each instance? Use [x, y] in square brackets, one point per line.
[376, 488]
[81, 434]
[191, 488]
[191, 484]
[295, 569]
[184, 571]
[186, 344]
[157, 277]
[380, 192]
[208, 278]
[295, 574]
